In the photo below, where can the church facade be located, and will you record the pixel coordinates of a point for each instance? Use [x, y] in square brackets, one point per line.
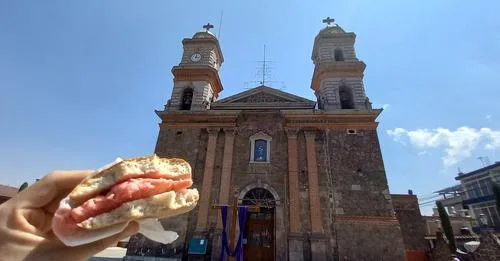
[311, 170]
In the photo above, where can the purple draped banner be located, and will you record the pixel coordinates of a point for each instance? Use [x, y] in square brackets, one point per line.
[238, 250]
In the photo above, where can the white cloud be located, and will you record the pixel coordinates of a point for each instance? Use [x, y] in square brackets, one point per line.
[423, 153]
[386, 106]
[458, 144]
[488, 117]
[396, 134]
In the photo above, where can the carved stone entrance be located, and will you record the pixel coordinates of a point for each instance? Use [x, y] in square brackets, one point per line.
[259, 241]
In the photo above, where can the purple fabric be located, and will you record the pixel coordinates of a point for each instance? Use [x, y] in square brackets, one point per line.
[242, 218]
[238, 250]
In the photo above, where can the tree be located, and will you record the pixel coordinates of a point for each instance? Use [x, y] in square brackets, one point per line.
[446, 225]
[496, 191]
[23, 186]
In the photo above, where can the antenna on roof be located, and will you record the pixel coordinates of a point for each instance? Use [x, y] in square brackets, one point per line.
[220, 25]
[484, 160]
[263, 72]
[264, 67]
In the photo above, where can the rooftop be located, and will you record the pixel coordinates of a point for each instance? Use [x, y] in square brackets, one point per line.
[452, 189]
[478, 171]
[7, 191]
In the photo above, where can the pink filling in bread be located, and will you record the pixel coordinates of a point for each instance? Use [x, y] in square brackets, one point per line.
[129, 190]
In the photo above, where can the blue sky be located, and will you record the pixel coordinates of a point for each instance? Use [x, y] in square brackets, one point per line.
[80, 80]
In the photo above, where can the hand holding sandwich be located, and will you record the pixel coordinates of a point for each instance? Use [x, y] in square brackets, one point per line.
[26, 222]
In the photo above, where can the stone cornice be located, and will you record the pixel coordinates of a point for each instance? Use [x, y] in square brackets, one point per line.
[199, 73]
[336, 70]
[319, 120]
[196, 120]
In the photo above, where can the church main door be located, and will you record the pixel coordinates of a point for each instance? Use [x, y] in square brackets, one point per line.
[259, 231]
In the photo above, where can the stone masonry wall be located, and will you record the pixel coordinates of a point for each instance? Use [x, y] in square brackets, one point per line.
[329, 89]
[351, 176]
[356, 166]
[328, 46]
[353, 184]
[412, 224]
[173, 143]
[273, 173]
[369, 242]
[207, 51]
[202, 93]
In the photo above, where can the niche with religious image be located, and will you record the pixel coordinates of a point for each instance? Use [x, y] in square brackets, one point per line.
[260, 146]
[260, 152]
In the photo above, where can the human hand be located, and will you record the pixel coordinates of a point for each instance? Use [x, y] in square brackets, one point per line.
[25, 222]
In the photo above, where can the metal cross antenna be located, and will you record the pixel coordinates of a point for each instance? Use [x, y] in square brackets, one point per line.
[264, 67]
[328, 20]
[208, 26]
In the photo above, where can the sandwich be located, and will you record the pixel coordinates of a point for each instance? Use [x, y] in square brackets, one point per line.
[129, 190]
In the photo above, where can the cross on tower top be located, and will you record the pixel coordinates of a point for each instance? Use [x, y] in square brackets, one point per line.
[328, 20]
[208, 26]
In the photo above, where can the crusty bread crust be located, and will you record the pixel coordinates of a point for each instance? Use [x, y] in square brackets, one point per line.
[163, 205]
[93, 185]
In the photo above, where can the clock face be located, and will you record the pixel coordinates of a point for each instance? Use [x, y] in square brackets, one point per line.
[196, 57]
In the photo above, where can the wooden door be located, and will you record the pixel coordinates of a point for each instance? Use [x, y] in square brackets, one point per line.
[259, 234]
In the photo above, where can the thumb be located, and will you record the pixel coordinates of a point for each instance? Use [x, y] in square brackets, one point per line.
[84, 252]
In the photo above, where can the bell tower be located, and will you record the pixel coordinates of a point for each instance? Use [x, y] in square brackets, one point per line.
[338, 74]
[196, 78]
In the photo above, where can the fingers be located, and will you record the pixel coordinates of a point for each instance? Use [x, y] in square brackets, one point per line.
[85, 251]
[53, 186]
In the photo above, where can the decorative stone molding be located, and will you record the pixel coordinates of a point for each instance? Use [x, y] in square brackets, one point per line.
[310, 134]
[230, 131]
[262, 97]
[291, 133]
[266, 186]
[213, 131]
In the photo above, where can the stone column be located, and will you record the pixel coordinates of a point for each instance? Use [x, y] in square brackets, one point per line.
[203, 204]
[312, 169]
[295, 242]
[317, 237]
[227, 164]
[293, 181]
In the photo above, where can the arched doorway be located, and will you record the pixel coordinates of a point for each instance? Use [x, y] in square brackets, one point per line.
[260, 227]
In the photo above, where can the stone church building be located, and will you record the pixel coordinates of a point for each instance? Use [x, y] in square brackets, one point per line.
[313, 170]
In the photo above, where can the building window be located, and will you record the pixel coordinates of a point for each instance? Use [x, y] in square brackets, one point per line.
[346, 99]
[486, 186]
[339, 55]
[260, 148]
[479, 188]
[490, 212]
[187, 99]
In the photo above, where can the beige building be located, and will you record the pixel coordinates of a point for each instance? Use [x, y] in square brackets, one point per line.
[313, 170]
